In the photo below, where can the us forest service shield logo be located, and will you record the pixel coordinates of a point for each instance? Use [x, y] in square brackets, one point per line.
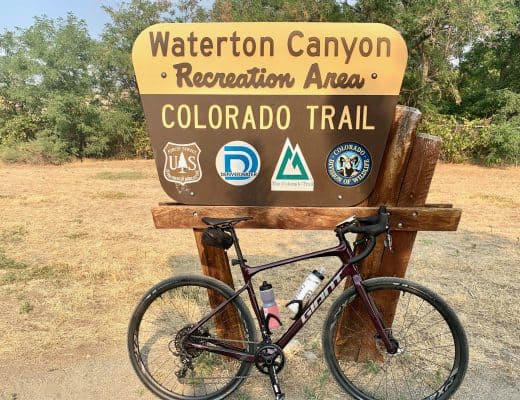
[181, 164]
[349, 164]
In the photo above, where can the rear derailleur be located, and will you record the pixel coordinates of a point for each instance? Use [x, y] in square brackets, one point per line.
[178, 347]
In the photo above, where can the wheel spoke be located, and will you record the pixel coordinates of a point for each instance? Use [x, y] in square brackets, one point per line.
[162, 324]
[428, 343]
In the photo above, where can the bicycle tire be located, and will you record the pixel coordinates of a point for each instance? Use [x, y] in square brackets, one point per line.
[433, 352]
[157, 330]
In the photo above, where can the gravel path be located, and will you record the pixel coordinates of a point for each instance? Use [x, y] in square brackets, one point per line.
[110, 376]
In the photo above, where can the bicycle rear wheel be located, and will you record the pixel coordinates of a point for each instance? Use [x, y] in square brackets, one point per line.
[433, 353]
[159, 330]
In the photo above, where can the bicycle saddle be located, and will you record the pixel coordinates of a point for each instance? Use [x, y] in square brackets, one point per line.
[224, 221]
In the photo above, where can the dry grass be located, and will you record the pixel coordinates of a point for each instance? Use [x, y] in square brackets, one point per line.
[78, 249]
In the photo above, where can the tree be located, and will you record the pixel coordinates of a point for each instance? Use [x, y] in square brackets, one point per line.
[276, 10]
[438, 33]
[490, 75]
[115, 75]
[47, 80]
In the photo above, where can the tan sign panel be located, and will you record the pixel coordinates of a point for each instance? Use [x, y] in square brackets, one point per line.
[257, 113]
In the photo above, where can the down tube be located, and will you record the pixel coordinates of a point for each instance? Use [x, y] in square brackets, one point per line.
[318, 300]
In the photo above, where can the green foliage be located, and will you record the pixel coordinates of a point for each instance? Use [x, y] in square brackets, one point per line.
[437, 34]
[77, 124]
[64, 94]
[18, 128]
[476, 140]
[45, 149]
[504, 146]
[276, 10]
[462, 140]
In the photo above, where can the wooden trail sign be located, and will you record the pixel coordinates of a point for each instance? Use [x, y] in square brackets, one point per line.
[256, 113]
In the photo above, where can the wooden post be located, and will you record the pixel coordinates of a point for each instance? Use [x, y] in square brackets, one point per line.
[390, 179]
[215, 263]
[387, 192]
[414, 192]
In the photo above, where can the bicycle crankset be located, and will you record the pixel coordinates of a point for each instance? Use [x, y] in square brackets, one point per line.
[269, 355]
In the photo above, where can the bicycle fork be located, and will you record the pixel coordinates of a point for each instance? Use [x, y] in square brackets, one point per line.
[390, 343]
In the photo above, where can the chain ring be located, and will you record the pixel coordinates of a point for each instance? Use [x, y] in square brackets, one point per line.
[269, 355]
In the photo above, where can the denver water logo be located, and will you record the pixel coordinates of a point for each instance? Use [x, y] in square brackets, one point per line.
[238, 163]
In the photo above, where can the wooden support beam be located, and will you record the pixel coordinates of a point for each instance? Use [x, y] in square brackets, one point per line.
[215, 263]
[177, 216]
[414, 191]
[390, 179]
[387, 191]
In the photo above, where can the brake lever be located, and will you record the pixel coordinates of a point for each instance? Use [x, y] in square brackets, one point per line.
[360, 241]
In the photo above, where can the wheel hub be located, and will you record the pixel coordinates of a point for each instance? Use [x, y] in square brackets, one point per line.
[380, 345]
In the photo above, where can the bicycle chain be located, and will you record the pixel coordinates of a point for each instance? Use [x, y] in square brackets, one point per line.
[226, 340]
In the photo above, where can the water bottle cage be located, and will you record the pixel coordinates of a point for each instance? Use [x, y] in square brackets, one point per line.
[268, 318]
[300, 308]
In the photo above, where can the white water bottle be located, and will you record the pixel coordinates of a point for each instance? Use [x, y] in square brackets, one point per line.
[308, 286]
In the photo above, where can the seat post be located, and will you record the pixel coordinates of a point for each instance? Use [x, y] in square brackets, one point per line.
[237, 245]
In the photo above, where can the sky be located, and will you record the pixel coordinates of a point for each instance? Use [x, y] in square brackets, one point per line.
[21, 13]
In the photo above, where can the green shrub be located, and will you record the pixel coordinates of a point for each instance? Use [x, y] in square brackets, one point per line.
[504, 143]
[142, 143]
[476, 140]
[42, 150]
[463, 140]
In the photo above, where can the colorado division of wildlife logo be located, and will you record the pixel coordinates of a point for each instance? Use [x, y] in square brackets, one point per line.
[291, 172]
[238, 163]
[181, 164]
[348, 164]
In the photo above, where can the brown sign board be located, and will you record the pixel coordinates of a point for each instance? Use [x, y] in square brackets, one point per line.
[284, 114]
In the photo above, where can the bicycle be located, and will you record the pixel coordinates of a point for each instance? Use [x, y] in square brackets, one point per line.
[192, 337]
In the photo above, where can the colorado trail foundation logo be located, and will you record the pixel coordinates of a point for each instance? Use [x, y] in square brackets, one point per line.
[181, 164]
[291, 172]
[348, 164]
[238, 163]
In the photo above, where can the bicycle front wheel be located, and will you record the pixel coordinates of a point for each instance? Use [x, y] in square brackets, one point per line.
[432, 351]
[158, 339]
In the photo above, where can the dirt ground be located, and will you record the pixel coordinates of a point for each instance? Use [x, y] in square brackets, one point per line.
[78, 249]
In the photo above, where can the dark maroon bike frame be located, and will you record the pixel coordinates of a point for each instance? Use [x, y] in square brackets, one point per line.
[343, 251]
